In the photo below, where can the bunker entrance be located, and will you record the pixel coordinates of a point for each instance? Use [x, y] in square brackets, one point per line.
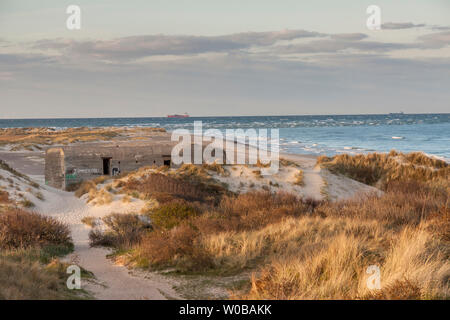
[107, 166]
[166, 160]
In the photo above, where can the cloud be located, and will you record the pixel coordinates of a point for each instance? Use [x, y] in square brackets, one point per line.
[435, 40]
[336, 45]
[349, 36]
[22, 59]
[400, 25]
[344, 71]
[441, 28]
[135, 47]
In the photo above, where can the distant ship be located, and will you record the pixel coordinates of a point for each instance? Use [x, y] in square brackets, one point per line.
[185, 115]
[396, 113]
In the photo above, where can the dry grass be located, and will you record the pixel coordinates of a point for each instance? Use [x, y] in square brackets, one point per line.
[380, 168]
[126, 199]
[90, 221]
[39, 196]
[34, 138]
[300, 248]
[311, 250]
[99, 197]
[24, 276]
[4, 197]
[85, 187]
[218, 168]
[299, 181]
[405, 232]
[333, 265]
[27, 204]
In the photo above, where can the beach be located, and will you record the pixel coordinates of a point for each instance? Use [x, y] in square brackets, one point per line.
[113, 281]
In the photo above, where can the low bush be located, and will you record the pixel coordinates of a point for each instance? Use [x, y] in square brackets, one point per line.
[27, 204]
[178, 247]
[172, 214]
[4, 197]
[124, 230]
[21, 229]
[89, 221]
[156, 184]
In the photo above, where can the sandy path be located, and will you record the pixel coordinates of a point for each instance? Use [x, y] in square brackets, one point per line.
[113, 281]
[311, 174]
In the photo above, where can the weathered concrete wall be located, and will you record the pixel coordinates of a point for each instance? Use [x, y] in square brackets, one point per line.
[87, 161]
[54, 168]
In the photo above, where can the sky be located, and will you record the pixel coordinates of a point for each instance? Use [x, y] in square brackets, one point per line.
[149, 58]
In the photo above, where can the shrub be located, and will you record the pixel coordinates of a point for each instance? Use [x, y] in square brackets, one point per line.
[27, 203]
[177, 247]
[90, 221]
[157, 184]
[85, 187]
[34, 184]
[73, 186]
[4, 197]
[40, 196]
[123, 231]
[21, 229]
[172, 214]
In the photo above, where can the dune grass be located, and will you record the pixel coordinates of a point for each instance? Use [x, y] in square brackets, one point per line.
[299, 248]
[378, 169]
[299, 178]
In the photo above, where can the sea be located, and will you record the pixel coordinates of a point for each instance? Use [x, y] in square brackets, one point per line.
[306, 134]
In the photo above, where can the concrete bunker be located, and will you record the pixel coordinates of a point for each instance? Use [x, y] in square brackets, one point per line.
[66, 166]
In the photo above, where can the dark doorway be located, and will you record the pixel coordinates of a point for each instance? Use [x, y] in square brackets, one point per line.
[107, 166]
[167, 163]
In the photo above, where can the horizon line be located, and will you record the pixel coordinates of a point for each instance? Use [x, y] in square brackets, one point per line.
[231, 116]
